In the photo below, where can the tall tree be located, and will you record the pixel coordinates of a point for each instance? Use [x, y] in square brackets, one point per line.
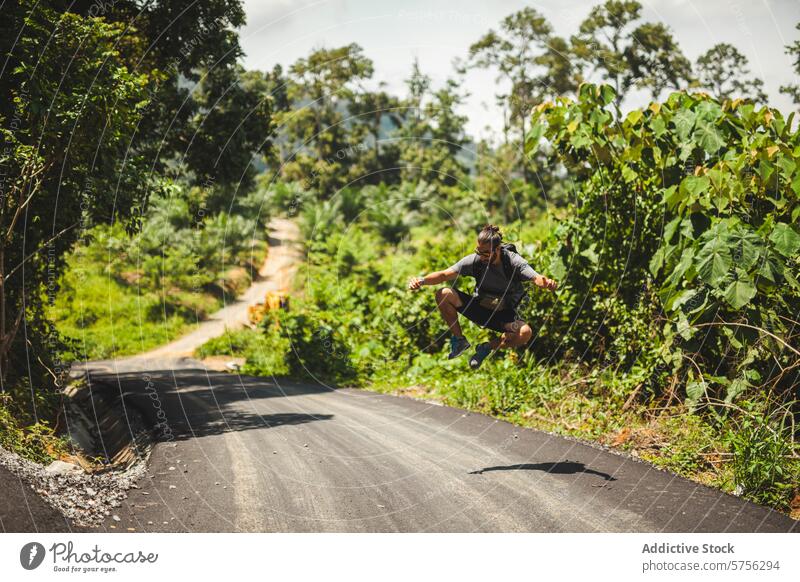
[512, 52]
[628, 56]
[562, 73]
[233, 124]
[447, 134]
[656, 62]
[530, 61]
[433, 133]
[602, 39]
[275, 86]
[723, 71]
[415, 129]
[321, 88]
[176, 44]
[793, 50]
[447, 123]
[95, 100]
[374, 116]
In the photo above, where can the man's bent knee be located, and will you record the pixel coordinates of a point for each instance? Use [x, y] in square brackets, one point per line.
[519, 328]
[447, 295]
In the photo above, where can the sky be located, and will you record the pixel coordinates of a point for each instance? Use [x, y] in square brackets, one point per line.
[393, 33]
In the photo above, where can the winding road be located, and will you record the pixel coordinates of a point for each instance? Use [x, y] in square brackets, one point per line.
[246, 454]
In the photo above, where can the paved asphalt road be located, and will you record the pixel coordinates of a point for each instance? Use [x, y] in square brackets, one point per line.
[23, 510]
[255, 454]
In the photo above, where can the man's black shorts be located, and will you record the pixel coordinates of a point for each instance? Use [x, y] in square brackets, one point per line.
[482, 316]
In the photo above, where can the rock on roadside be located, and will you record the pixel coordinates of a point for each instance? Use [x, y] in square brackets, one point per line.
[84, 498]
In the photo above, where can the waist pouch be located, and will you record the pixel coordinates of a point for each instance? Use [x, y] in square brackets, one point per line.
[491, 301]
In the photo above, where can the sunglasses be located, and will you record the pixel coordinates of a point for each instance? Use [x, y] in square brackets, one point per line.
[481, 253]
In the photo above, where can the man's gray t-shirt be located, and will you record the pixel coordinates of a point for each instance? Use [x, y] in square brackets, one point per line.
[494, 279]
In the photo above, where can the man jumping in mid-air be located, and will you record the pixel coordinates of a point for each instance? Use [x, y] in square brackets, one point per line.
[499, 272]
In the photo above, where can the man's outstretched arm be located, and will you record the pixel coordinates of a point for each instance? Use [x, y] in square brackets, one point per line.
[537, 278]
[432, 279]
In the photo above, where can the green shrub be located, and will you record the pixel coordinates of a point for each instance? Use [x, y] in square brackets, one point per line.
[265, 350]
[763, 467]
[31, 439]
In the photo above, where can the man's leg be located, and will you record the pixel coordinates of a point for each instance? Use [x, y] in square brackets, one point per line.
[449, 302]
[517, 333]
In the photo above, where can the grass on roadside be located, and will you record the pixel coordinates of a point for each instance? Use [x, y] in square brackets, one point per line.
[106, 317]
[745, 452]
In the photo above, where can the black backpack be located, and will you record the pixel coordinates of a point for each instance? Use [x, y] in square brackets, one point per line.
[511, 273]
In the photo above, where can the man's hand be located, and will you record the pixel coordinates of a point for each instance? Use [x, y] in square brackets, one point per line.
[546, 283]
[431, 279]
[415, 283]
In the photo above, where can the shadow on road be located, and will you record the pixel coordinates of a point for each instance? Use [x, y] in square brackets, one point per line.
[560, 468]
[218, 422]
[181, 404]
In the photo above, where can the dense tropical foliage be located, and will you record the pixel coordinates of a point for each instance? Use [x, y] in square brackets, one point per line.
[141, 165]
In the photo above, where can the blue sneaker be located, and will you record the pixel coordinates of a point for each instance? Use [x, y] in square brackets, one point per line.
[458, 345]
[481, 352]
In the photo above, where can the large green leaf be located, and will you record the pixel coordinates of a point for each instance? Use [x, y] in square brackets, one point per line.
[634, 117]
[786, 164]
[591, 253]
[580, 139]
[586, 91]
[796, 185]
[765, 170]
[688, 297]
[686, 151]
[785, 239]
[718, 178]
[687, 228]
[684, 328]
[670, 228]
[658, 125]
[737, 387]
[673, 196]
[607, 93]
[695, 390]
[745, 247]
[708, 137]
[557, 268]
[629, 175]
[684, 123]
[696, 185]
[791, 280]
[740, 291]
[657, 260]
[714, 261]
[770, 267]
[679, 272]
[708, 111]
[533, 137]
